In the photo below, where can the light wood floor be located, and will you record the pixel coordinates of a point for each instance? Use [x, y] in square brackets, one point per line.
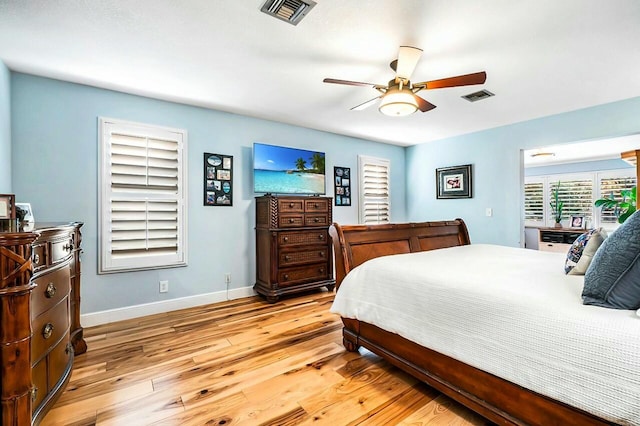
[242, 362]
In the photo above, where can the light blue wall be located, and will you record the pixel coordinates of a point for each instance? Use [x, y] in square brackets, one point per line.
[5, 130]
[497, 173]
[55, 169]
[584, 166]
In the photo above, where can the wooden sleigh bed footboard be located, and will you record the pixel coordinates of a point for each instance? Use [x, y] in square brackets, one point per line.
[496, 399]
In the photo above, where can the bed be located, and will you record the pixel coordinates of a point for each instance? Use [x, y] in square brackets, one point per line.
[465, 340]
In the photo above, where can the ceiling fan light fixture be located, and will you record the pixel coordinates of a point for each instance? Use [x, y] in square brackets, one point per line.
[398, 103]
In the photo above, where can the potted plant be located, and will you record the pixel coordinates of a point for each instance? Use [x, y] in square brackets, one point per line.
[621, 208]
[557, 206]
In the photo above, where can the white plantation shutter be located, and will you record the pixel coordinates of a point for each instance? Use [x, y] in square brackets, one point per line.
[534, 203]
[142, 197]
[577, 193]
[612, 183]
[374, 205]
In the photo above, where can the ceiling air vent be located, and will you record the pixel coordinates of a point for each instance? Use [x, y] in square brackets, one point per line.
[478, 96]
[291, 11]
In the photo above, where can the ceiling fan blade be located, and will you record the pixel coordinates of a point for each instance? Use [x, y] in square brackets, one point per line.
[460, 80]
[408, 58]
[365, 105]
[348, 83]
[423, 105]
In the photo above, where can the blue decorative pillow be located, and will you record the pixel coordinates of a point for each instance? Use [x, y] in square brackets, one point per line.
[613, 278]
[576, 249]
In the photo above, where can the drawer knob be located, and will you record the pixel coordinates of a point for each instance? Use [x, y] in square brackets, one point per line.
[315, 205]
[290, 205]
[68, 349]
[47, 330]
[315, 219]
[285, 277]
[34, 393]
[290, 220]
[36, 258]
[321, 237]
[321, 270]
[50, 291]
[287, 258]
[321, 254]
[285, 239]
[67, 247]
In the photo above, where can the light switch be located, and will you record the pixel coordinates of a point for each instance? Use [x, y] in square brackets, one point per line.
[488, 211]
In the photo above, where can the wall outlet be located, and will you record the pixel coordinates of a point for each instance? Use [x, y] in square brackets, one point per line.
[164, 286]
[227, 278]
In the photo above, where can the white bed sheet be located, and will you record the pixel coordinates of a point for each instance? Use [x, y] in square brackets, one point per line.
[510, 312]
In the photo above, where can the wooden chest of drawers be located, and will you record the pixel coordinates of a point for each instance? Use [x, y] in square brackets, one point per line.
[293, 251]
[40, 282]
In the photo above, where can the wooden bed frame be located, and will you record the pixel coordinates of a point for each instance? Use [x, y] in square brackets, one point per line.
[494, 398]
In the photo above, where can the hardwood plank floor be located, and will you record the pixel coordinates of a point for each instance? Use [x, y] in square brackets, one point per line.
[243, 362]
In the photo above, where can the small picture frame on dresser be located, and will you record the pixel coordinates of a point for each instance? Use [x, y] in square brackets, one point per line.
[7, 206]
[26, 210]
[577, 222]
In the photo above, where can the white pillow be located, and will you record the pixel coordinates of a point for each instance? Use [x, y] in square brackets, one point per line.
[596, 239]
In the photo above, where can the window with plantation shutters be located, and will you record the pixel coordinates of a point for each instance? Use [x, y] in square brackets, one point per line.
[534, 203]
[374, 205]
[579, 193]
[142, 197]
[610, 184]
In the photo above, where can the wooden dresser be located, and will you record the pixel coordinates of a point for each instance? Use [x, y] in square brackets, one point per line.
[293, 250]
[557, 239]
[40, 317]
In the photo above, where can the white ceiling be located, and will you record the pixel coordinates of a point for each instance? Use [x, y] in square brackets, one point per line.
[542, 57]
[601, 149]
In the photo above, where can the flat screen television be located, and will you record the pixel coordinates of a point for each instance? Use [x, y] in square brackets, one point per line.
[283, 170]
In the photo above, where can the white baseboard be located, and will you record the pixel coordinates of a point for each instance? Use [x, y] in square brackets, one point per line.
[136, 311]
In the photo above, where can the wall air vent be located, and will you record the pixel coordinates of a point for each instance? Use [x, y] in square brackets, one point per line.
[478, 96]
[291, 11]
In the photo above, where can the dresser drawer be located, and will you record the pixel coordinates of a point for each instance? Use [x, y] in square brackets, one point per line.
[39, 378]
[302, 237]
[38, 258]
[316, 219]
[291, 206]
[293, 258]
[48, 328]
[59, 359]
[60, 250]
[320, 205]
[291, 221]
[291, 276]
[554, 247]
[51, 288]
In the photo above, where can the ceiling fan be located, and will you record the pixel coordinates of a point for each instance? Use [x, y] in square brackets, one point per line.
[399, 97]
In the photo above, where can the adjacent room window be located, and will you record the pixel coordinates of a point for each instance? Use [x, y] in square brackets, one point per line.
[374, 202]
[579, 192]
[142, 201]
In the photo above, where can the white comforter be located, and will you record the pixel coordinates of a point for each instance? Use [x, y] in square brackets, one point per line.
[508, 311]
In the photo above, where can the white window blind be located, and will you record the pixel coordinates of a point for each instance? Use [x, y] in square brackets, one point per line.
[142, 201]
[374, 200]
